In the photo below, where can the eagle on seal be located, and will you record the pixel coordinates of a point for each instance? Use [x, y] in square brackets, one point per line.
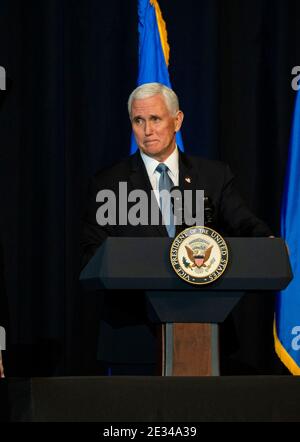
[197, 258]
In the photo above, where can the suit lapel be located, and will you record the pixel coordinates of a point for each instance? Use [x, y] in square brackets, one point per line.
[188, 175]
[138, 174]
[140, 180]
[188, 178]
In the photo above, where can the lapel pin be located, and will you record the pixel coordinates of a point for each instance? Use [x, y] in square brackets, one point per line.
[188, 179]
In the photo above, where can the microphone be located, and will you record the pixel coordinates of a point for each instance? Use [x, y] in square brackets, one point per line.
[177, 204]
[179, 208]
[209, 211]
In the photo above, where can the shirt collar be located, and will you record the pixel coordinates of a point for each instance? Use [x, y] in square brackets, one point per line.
[172, 162]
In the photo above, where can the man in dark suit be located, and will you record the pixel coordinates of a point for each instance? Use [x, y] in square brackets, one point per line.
[155, 117]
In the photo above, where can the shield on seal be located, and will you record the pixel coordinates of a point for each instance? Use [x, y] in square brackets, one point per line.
[199, 260]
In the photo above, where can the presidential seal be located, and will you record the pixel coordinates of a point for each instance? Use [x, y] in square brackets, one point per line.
[199, 255]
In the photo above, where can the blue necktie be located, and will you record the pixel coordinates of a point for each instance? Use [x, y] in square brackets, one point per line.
[165, 183]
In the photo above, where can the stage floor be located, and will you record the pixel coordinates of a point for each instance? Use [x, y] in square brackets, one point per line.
[152, 399]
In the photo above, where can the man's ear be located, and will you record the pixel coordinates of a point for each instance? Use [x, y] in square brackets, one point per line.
[178, 120]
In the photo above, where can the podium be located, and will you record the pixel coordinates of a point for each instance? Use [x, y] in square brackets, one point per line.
[187, 315]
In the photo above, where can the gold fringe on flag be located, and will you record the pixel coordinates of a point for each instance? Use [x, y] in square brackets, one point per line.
[162, 31]
[283, 354]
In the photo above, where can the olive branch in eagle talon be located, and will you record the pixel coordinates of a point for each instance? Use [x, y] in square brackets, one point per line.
[197, 258]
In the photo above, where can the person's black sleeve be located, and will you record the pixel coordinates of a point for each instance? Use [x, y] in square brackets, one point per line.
[92, 234]
[236, 216]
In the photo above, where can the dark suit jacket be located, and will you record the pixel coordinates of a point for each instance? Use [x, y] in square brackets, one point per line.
[231, 217]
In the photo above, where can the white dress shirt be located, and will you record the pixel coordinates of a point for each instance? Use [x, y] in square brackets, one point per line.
[173, 170]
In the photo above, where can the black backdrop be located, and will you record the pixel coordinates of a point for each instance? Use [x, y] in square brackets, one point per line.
[70, 67]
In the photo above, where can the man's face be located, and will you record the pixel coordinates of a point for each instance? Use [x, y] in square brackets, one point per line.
[154, 127]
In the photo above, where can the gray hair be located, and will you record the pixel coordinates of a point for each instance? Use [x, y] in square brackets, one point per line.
[149, 90]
